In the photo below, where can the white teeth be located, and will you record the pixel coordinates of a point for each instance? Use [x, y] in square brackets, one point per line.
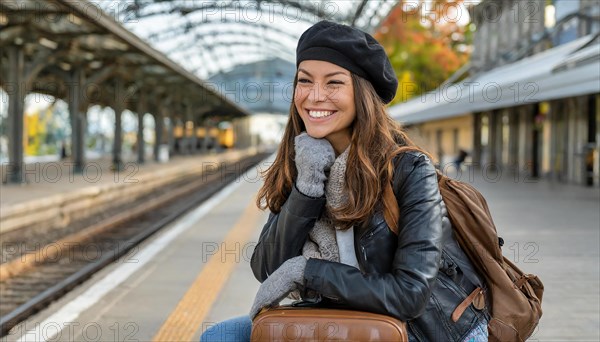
[319, 114]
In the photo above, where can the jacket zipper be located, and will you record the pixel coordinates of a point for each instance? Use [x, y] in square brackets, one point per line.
[364, 253]
[454, 288]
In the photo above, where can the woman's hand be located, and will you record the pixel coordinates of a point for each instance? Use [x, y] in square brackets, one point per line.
[287, 278]
[313, 158]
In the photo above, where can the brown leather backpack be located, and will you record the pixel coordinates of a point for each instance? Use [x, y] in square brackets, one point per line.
[515, 298]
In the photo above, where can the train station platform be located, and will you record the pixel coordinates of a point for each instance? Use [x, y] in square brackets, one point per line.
[47, 178]
[193, 273]
[53, 195]
[196, 272]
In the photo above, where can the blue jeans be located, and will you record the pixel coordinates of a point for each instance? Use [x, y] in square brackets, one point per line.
[478, 334]
[236, 329]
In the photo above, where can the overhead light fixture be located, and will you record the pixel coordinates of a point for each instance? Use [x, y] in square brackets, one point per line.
[113, 44]
[96, 64]
[48, 43]
[65, 66]
[75, 19]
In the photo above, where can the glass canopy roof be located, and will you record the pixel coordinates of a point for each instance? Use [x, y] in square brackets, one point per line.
[211, 37]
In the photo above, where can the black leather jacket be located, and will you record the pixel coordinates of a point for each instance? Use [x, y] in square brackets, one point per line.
[415, 276]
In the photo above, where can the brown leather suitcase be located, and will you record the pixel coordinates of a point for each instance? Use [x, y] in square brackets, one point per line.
[287, 323]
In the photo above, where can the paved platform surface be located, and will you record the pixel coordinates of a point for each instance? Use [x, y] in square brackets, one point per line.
[197, 272]
[553, 230]
[56, 177]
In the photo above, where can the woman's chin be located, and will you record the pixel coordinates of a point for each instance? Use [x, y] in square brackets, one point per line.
[317, 134]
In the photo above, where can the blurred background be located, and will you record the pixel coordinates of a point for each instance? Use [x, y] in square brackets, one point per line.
[513, 83]
[107, 107]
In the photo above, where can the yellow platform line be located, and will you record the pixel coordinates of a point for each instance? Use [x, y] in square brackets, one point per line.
[188, 316]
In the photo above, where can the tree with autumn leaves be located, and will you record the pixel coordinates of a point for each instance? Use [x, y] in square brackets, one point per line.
[427, 41]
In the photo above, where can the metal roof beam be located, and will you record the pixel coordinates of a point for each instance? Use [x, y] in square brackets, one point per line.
[79, 37]
[119, 31]
[246, 51]
[185, 9]
[358, 12]
[209, 45]
[189, 26]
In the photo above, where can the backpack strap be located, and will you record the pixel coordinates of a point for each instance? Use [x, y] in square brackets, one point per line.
[451, 247]
[391, 212]
[474, 298]
[455, 252]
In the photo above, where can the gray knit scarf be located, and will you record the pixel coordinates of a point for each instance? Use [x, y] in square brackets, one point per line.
[321, 242]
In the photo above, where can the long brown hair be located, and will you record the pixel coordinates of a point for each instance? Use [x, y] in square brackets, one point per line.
[376, 140]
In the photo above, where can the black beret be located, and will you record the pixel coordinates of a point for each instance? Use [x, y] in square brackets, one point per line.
[353, 50]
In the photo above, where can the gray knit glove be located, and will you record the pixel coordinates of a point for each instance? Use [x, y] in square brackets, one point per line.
[313, 158]
[279, 284]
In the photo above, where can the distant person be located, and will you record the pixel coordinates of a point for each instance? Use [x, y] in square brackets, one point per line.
[63, 150]
[330, 236]
[460, 158]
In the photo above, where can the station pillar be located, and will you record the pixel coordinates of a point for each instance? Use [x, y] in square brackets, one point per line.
[191, 138]
[206, 139]
[171, 132]
[141, 109]
[118, 106]
[16, 106]
[476, 154]
[77, 119]
[158, 133]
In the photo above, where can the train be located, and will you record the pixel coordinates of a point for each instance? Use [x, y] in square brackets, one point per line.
[221, 136]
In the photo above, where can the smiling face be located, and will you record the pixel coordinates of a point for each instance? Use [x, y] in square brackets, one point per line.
[324, 98]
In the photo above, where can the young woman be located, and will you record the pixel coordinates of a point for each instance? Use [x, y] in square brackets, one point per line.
[332, 236]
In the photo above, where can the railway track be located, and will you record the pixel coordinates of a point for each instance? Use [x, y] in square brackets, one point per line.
[34, 279]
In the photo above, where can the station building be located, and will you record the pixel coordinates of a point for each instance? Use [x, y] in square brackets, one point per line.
[527, 103]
